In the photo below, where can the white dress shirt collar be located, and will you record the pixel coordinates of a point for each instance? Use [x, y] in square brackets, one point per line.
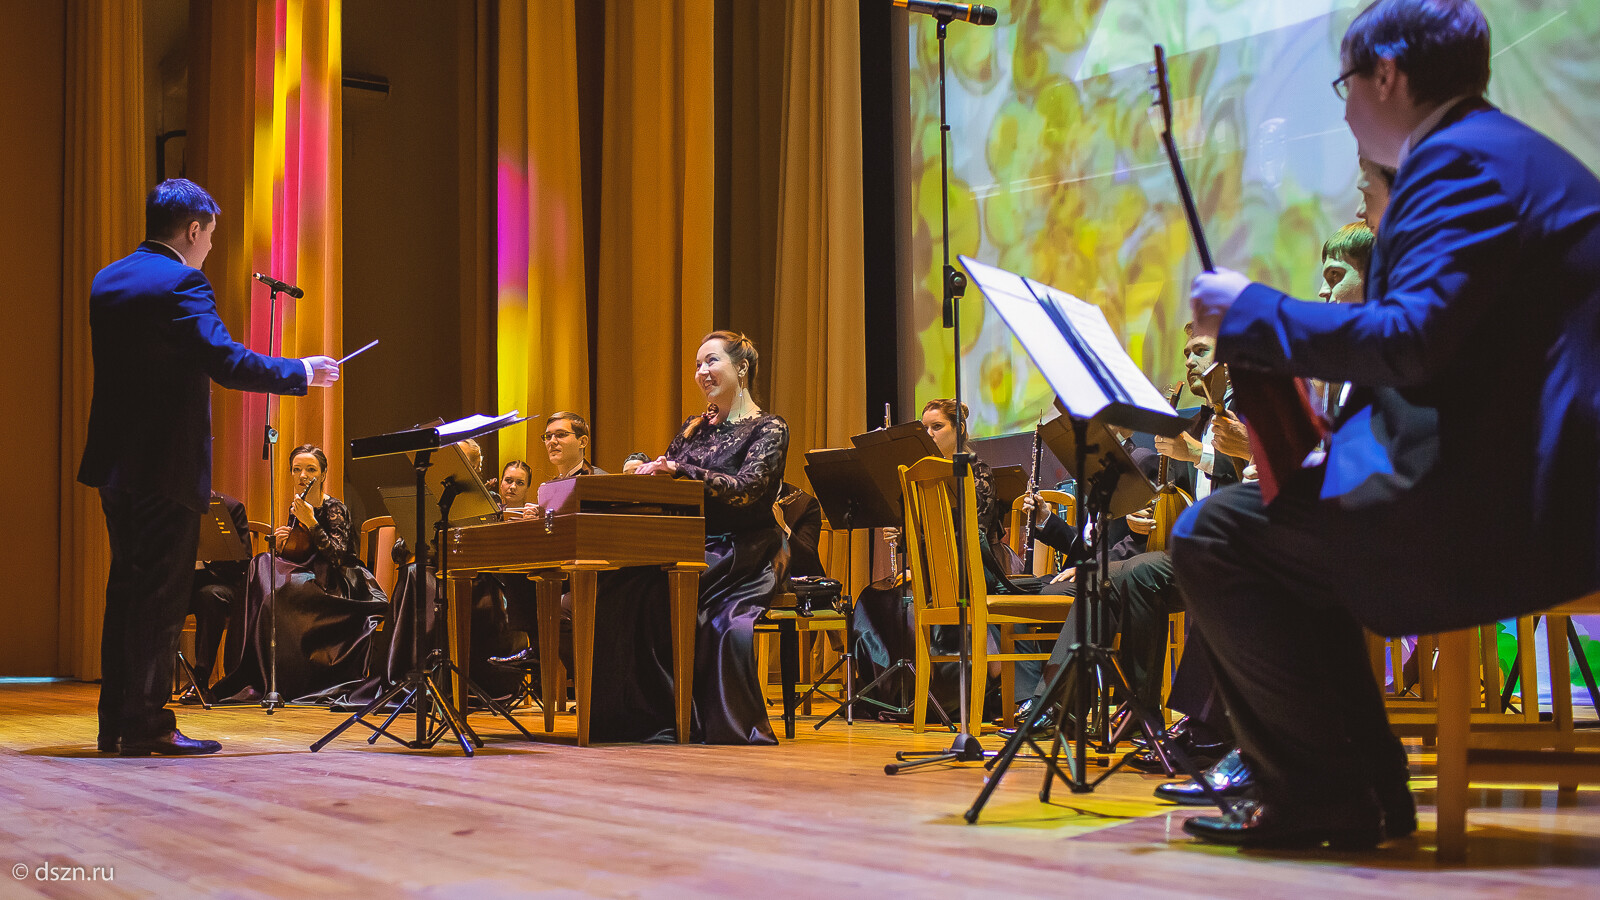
[1426, 127]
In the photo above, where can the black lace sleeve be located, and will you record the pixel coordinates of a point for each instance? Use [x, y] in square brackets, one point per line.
[334, 536]
[758, 475]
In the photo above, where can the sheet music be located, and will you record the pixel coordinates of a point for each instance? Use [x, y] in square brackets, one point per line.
[472, 424]
[1092, 326]
[1065, 337]
[1009, 295]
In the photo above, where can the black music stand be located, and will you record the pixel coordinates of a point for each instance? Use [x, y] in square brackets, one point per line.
[1097, 384]
[852, 498]
[219, 542]
[435, 714]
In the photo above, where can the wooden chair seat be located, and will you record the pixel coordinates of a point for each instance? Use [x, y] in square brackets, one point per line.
[1531, 751]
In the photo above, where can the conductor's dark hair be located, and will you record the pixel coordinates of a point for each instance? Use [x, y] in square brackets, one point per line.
[173, 204]
[1441, 45]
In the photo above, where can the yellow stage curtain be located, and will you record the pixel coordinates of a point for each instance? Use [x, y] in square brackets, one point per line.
[103, 221]
[265, 114]
[656, 221]
[542, 316]
[819, 367]
[819, 370]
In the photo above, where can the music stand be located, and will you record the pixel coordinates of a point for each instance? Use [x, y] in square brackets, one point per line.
[1010, 482]
[219, 542]
[435, 714]
[851, 498]
[1098, 384]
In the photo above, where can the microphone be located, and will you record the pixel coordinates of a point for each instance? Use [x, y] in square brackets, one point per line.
[279, 286]
[965, 12]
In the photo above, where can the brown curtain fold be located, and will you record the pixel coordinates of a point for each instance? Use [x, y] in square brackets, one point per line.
[103, 221]
[657, 211]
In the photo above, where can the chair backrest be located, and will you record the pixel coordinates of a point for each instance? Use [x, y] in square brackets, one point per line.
[260, 536]
[928, 488]
[377, 537]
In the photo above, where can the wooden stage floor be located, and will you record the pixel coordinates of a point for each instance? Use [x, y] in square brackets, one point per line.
[813, 817]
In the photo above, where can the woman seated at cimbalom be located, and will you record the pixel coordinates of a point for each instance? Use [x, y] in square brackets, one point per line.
[324, 605]
[739, 452]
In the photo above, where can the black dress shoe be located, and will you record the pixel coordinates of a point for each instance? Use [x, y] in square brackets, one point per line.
[192, 697]
[1256, 824]
[523, 660]
[1229, 778]
[1200, 753]
[106, 744]
[1399, 811]
[1043, 730]
[173, 743]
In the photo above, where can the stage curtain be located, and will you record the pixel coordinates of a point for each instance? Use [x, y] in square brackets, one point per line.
[542, 311]
[103, 221]
[265, 115]
[656, 221]
[819, 371]
[476, 176]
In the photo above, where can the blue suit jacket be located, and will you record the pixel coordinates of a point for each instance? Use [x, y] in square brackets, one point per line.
[158, 345]
[1446, 453]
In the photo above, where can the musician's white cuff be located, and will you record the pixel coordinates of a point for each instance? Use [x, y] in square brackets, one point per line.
[307, 365]
[1208, 457]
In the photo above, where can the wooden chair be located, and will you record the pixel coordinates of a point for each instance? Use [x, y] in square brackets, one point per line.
[928, 488]
[377, 539]
[260, 536]
[1551, 752]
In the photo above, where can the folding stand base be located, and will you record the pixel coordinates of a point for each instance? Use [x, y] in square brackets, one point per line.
[435, 714]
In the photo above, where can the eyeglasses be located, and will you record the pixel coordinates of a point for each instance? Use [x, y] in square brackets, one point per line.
[1341, 85]
[556, 436]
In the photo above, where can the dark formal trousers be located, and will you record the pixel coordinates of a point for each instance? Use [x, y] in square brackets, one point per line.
[1263, 588]
[153, 545]
[1143, 593]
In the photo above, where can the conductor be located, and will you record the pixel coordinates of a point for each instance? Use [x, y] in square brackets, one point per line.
[158, 344]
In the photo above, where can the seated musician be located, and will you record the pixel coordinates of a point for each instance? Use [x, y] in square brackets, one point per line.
[215, 602]
[884, 624]
[739, 451]
[1346, 256]
[324, 604]
[566, 441]
[1143, 580]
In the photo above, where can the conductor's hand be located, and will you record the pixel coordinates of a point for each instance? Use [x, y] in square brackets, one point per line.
[1034, 506]
[660, 465]
[1182, 448]
[1230, 436]
[1211, 296]
[324, 370]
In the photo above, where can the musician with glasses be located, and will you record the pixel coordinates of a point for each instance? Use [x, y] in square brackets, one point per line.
[1484, 293]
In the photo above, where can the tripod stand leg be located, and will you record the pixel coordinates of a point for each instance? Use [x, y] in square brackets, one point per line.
[448, 713]
[188, 671]
[494, 705]
[360, 716]
[383, 730]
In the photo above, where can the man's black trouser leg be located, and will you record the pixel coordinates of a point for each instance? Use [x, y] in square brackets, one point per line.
[153, 544]
[1289, 659]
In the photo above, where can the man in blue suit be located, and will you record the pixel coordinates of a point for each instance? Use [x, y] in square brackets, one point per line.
[1432, 509]
[158, 345]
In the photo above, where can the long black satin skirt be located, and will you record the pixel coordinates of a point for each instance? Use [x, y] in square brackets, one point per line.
[326, 617]
[632, 688]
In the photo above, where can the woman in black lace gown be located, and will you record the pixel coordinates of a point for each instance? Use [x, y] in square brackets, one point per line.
[739, 452]
[328, 605]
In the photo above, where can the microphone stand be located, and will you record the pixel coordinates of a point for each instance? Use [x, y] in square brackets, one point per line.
[269, 446]
[965, 746]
